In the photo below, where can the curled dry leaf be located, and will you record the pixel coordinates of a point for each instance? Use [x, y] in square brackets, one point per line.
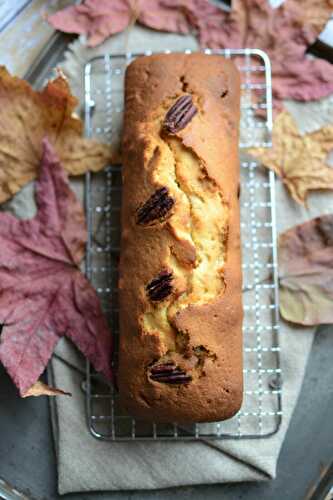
[306, 272]
[300, 160]
[26, 116]
[43, 294]
[41, 389]
[284, 33]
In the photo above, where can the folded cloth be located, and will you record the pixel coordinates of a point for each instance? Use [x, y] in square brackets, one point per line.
[86, 464]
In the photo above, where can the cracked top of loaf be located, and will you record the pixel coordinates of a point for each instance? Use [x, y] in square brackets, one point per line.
[180, 269]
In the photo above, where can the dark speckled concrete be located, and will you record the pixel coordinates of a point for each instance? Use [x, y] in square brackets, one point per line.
[27, 457]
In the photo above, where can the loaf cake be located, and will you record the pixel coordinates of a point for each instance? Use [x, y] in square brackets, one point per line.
[180, 354]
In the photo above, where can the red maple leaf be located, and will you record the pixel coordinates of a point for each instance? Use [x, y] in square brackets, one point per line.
[284, 33]
[43, 294]
[99, 19]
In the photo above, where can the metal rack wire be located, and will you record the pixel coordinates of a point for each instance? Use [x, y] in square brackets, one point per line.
[261, 412]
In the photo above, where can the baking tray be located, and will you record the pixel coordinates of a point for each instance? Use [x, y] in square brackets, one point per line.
[261, 412]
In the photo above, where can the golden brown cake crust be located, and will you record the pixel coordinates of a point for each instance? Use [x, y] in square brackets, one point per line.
[194, 332]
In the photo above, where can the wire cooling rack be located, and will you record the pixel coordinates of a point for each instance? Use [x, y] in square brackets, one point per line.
[261, 412]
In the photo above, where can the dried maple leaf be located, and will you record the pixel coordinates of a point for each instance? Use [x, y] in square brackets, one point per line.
[306, 272]
[284, 33]
[300, 160]
[99, 19]
[41, 389]
[43, 294]
[26, 117]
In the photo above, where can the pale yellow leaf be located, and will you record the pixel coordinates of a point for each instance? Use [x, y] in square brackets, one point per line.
[300, 160]
[26, 117]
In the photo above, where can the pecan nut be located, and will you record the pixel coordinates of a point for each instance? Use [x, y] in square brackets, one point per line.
[156, 208]
[160, 287]
[169, 373]
[180, 114]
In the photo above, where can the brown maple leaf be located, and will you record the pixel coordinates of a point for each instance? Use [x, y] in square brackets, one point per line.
[306, 272]
[26, 117]
[43, 294]
[300, 160]
[41, 389]
[284, 33]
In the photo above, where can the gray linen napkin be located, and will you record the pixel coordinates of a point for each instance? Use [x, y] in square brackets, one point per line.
[85, 464]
